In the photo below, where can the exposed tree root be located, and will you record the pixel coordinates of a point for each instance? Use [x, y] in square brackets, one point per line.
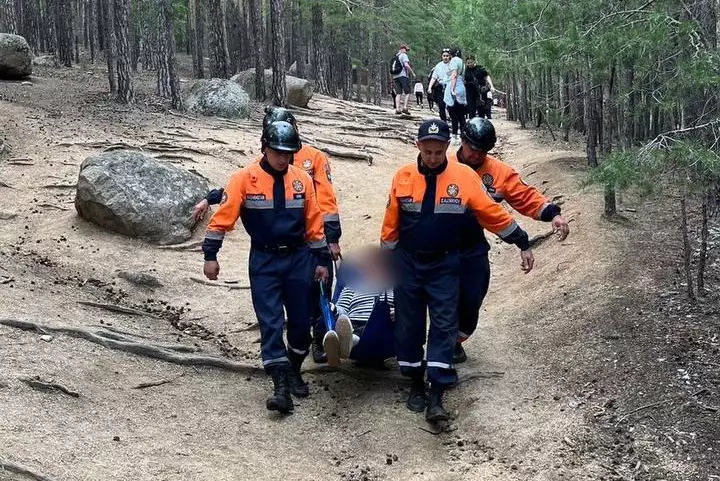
[15, 468]
[155, 352]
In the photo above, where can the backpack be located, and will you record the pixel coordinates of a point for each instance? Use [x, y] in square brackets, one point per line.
[396, 66]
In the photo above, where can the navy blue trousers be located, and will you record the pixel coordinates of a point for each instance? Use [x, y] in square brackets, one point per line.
[474, 283]
[277, 281]
[422, 286]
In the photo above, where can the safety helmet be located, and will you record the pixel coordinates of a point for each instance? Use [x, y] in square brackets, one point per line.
[480, 134]
[281, 136]
[275, 114]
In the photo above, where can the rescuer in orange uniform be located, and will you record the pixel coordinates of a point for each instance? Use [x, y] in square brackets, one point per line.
[317, 165]
[277, 206]
[502, 183]
[424, 216]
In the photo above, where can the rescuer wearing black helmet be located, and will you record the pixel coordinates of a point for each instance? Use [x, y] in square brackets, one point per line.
[276, 202]
[317, 165]
[502, 182]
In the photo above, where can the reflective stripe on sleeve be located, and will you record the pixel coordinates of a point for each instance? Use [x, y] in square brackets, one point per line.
[509, 230]
[214, 235]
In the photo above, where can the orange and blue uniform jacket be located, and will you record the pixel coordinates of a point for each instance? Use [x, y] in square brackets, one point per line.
[277, 209]
[504, 183]
[317, 165]
[426, 210]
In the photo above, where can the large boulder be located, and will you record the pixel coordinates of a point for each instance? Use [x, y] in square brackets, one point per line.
[15, 57]
[138, 196]
[299, 91]
[218, 97]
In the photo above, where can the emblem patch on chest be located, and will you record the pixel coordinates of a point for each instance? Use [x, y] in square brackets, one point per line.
[453, 190]
[307, 165]
[298, 185]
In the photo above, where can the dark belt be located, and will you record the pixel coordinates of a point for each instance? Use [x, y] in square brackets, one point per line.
[430, 256]
[280, 249]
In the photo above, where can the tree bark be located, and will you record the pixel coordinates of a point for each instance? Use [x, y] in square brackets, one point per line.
[279, 88]
[255, 7]
[64, 31]
[199, 66]
[168, 81]
[126, 92]
[318, 59]
[686, 244]
[704, 234]
[108, 8]
[219, 56]
[298, 39]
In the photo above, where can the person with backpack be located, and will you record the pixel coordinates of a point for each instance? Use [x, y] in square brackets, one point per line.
[401, 71]
[439, 79]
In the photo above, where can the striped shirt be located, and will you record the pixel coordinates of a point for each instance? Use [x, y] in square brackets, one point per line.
[357, 302]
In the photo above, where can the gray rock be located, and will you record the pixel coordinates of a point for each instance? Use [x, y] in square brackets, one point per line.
[138, 196]
[15, 57]
[299, 91]
[218, 97]
[46, 61]
[140, 278]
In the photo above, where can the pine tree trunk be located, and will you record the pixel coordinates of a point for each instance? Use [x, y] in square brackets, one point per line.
[8, 19]
[279, 88]
[607, 137]
[318, 58]
[167, 37]
[687, 248]
[219, 56]
[234, 36]
[298, 39]
[64, 31]
[163, 71]
[108, 13]
[704, 234]
[126, 93]
[199, 66]
[92, 28]
[258, 48]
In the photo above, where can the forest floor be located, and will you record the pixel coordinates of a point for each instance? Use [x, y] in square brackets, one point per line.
[593, 366]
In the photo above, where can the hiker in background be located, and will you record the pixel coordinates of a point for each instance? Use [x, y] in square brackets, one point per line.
[439, 79]
[476, 85]
[419, 91]
[455, 93]
[401, 71]
[430, 96]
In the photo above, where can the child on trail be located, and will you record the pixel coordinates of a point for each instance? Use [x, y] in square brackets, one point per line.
[419, 91]
[356, 303]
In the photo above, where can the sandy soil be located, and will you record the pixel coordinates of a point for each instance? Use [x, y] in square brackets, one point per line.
[525, 411]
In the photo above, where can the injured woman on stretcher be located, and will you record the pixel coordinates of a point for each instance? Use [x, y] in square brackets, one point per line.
[360, 318]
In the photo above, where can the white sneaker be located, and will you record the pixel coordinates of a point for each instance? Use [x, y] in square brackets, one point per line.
[344, 330]
[331, 344]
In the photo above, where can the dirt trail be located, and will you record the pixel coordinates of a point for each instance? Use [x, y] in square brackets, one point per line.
[515, 419]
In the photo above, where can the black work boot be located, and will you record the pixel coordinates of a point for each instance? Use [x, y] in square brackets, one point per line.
[318, 352]
[436, 413]
[459, 355]
[298, 387]
[280, 400]
[417, 400]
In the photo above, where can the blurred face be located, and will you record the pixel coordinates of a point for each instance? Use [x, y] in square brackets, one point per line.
[471, 63]
[278, 160]
[432, 152]
[471, 156]
[446, 57]
[373, 267]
